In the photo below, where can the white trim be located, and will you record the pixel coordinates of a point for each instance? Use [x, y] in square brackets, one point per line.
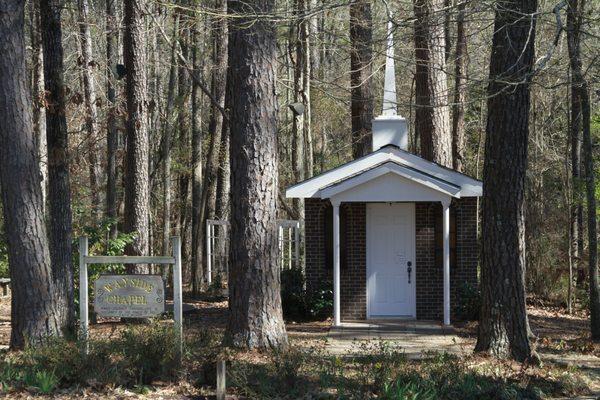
[412, 223]
[336, 265]
[389, 167]
[446, 233]
[312, 187]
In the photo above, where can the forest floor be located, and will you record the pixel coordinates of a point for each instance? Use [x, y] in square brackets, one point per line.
[562, 342]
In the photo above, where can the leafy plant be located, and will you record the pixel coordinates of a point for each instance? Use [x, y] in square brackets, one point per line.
[300, 304]
[468, 302]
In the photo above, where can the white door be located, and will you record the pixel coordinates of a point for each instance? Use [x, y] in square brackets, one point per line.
[391, 260]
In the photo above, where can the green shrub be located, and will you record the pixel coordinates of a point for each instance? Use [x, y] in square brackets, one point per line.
[300, 304]
[148, 353]
[4, 273]
[468, 302]
[139, 356]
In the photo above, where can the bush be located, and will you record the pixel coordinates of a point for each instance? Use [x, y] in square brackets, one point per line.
[300, 304]
[139, 356]
[468, 302]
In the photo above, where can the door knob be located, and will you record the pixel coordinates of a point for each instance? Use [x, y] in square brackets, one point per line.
[409, 270]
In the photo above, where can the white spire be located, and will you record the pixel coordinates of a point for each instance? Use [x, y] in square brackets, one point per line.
[389, 86]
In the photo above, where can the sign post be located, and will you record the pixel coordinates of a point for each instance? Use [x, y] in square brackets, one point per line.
[130, 296]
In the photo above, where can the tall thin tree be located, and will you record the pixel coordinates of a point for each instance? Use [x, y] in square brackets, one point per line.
[59, 188]
[34, 311]
[37, 85]
[215, 124]
[503, 325]
[255, 318]
[581, 119]
[432, 114]
[460, 90]
[361, 59]
[136, 163]
[112, 134]
[87, 65]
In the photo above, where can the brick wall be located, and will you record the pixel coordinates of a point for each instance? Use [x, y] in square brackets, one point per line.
[353, 275]
[429, 276]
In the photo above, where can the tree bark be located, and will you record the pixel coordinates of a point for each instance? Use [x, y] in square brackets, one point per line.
[59, 190]
[112, 134]
[460, 91]
[361, 59]
[136, 163]
[89, 95]
[503, 326]
[256, 319]
[581, 119]
[34, 312]
[432, 115]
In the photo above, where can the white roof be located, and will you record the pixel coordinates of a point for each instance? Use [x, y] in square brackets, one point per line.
[390, 161]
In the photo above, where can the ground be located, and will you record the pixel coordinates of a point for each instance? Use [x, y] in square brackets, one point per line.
[562, 341]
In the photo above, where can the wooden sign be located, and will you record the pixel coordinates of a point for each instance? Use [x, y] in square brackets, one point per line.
[129, 296]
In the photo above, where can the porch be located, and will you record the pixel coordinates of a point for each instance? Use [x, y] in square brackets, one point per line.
[411, 337]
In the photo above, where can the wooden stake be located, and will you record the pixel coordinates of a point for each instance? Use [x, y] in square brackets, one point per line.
[221, 384]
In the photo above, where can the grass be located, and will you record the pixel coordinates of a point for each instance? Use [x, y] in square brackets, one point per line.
[141, 359]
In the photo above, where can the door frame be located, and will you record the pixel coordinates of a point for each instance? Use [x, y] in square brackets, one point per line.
[412, 224]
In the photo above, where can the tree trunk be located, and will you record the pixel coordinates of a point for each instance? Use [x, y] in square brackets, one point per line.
[59, 191]
[576, 222]
[184, 139]
[89, 95]
[166, 140]
[256, 319]
[197, 223]
[112, 134]
[34, 312]
[460, 91]
[503, 326]
[136, 163]
[432, 115]
[37, 85]
[581, 119]
[215, 125]
[361, 58]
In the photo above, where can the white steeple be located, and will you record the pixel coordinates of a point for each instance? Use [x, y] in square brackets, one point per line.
[390, 128]
[389, 85]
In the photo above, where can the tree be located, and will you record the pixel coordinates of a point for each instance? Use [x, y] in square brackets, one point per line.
[460, 91]
[361, 59]
[503, 324]
[197, 222]
[219, 42]
[432, 114]
[112, 134]
[34, 314]
[136, 162]
[581, 119]
[59, 188]
[255, 319]
[37, 85]
[166, 139]
[89, 96]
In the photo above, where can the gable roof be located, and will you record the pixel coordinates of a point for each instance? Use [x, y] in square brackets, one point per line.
[389, 159]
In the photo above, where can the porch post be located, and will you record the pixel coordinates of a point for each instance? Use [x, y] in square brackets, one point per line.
[336, 264]
[446, 230]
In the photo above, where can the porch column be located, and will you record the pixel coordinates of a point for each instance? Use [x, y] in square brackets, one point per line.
[336, 264]
[446, 230]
